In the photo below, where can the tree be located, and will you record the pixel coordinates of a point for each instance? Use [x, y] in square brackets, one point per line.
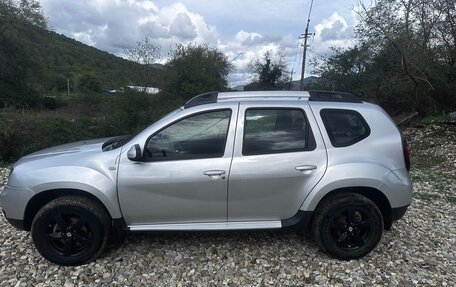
[13, 11]
[89, 83]
[269, 74]
[344, 70]
[145, 52]
[15, 61]
[194, 69]
[404, 58]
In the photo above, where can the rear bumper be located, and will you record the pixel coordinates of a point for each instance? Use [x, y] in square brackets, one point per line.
[398, 212]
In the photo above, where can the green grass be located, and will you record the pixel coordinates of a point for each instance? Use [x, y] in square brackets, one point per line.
[425, 161]
[429, 176]
[430, 197]
[426, 196]
[434, 119]
[440, 186]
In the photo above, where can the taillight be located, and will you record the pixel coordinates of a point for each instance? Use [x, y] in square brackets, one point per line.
[406, 151]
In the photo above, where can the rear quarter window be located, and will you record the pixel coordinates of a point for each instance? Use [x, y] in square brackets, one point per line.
[344, 127]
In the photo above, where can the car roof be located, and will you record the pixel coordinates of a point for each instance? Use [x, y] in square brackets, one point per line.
[327, 96]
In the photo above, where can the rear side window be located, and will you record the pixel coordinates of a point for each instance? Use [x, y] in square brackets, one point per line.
[344, 127]
[276, 131]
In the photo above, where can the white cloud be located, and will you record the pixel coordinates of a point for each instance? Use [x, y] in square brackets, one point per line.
[116, 25]
[247, 47]
[244, 30]
[333, 32]
[182, 27]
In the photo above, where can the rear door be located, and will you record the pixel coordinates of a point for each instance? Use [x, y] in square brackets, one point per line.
[279, 156]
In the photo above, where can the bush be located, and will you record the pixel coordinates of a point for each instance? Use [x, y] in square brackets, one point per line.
[89, 83]
[84, 117]
[51, 103]
[131, 111]
[27, 132]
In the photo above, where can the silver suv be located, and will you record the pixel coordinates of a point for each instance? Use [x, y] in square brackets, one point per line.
[322, 162]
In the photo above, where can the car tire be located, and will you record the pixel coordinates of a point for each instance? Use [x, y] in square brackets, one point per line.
[71, 230]
[347, 226]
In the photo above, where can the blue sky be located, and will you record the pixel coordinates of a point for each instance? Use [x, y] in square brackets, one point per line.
[243, 28]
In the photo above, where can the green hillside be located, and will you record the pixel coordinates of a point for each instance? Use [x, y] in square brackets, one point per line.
[35, 62]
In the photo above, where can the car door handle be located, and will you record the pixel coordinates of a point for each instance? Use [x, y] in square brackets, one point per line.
[215, 173]
[306, 167]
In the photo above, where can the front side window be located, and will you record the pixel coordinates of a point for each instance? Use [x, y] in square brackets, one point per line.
[275, 131]
[344, 127]
[199, 136]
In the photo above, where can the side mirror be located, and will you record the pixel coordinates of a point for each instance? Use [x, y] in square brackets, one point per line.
[134, 153]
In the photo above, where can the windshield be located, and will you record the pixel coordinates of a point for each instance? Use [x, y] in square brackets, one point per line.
[119, 141]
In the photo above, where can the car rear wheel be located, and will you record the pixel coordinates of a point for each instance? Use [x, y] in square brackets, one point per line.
[347, 226]
[71, 230]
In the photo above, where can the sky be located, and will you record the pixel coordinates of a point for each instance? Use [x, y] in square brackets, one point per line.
[243, 29]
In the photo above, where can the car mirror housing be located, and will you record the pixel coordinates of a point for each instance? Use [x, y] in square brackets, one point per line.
[134, 153]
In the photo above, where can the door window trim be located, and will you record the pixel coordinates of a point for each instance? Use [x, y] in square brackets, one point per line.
[310, 143]
[330, 133]
[143, 156]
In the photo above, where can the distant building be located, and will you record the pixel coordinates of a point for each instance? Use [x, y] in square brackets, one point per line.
[146, 90]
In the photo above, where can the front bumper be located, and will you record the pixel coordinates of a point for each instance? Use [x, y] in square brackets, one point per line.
[18, 223]
[13, 202]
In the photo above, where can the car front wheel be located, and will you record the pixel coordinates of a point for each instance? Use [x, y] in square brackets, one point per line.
[347, 226]
[71, 230]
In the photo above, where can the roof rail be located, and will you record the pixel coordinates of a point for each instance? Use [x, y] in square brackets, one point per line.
[263, 94]
[324, 96]
[206, 98]
[327, 96]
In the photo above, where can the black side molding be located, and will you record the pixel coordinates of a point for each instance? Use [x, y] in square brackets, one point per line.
[119, 229]
[327, 96]
[301, 220]
[206, 98]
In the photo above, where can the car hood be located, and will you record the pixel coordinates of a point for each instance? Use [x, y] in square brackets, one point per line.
[70, 148]
[65, 165]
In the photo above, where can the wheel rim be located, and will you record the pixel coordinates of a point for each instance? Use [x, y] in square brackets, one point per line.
[69, 234]
[350, 228]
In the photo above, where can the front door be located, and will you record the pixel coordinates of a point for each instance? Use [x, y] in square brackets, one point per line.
[183, 177]
[279, 157]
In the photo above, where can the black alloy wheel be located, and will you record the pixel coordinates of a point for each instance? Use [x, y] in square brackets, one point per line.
[351, 227]
[71, 230]
[347, 225]
[69, 234]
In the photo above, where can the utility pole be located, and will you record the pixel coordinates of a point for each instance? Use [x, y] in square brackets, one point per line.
[68, 86]
[304, 53]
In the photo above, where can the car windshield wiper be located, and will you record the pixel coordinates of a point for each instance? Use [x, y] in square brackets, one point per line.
[115, 142]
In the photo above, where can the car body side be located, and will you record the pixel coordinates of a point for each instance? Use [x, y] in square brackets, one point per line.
[374, 164]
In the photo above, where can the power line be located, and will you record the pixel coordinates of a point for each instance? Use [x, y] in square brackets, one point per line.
[305, 36]
[312, 51]
[237, 56]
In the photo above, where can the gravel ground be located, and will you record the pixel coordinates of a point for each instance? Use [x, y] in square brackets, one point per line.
[419, 250]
